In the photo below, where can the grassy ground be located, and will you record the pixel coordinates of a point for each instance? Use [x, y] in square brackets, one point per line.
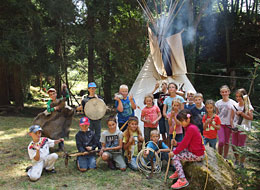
[14, 159]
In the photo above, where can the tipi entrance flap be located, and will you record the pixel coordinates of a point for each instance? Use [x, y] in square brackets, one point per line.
[156, 53]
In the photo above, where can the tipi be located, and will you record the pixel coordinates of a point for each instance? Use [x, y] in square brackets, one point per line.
[165, 62]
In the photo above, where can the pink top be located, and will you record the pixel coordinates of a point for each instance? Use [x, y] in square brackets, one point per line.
[171, 128]
[150, 113]
[191, 141]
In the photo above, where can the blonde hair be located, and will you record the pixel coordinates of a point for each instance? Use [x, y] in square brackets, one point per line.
[177, 100]
[123, 86]
[225, 86]
[198, 95]
[148, 96]
[154, 132]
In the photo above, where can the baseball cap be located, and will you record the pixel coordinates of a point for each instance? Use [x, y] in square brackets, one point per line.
[35, 128]
[51, 90]
[92, 84]
[84, 121]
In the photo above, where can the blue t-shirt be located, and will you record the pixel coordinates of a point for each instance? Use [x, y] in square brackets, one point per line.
[154, 147]
[189, 106]
[168, 102]
[127, 110]
[197, 117]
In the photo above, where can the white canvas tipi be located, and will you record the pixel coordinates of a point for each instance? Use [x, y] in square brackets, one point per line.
[153, 70]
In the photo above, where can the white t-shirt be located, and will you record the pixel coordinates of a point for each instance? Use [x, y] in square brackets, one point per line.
[45, 144]
[224, 109]
[246, 124]
[111, 139]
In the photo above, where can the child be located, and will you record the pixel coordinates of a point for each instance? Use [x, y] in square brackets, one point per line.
[150, 115]
[224, 107]
[167, 104]
[176, 107]
[86, 141]
[190, 100]
[160, 96]
[132, 141]
[211, 124]
[125, 107]
[53, 97]
[95, 125]
[198, 111]
[163, 148]
[240, 115]
[189, 149]
[39, 153]
[111, 150]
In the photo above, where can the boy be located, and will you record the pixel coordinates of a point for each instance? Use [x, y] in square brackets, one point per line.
[125, 107]
[85, 141]
[112, 142]
[198, 111]
[53, 97]
[190, 100]
[160, 96]
[39, 153]
[163, 148]
[95, 125]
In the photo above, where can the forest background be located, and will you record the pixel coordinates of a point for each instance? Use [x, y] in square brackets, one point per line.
[45, 43]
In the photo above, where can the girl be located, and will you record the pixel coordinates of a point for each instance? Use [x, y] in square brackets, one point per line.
[132, 142]
[176, 107]
[167, 104]
[224, 107]
[150, 115]
[189, 149]
[211, 124]
[240, 115]
[112, 143]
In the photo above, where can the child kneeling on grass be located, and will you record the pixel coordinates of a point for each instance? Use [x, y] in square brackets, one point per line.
[132, 140]
[189, 149]
[39, 153]
[163, 148]
[86, 141]
[112, 143]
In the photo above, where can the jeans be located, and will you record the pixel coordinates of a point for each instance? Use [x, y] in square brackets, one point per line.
[132, 165]
[212, 142]
[86, 162]
[95, 125]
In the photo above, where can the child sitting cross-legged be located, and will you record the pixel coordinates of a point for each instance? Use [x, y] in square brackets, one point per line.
[111, 150]
[189, 149]
[39, 153]
[86, 141]
[133, 141]
[163, 148]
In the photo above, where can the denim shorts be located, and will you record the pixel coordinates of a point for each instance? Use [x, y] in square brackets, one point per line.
[212, 142]
[86, 162]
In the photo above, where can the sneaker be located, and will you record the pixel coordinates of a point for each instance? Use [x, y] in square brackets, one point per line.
[111, 165]
[28, 168]
[180, 184]
[174, 176]
[53, 171]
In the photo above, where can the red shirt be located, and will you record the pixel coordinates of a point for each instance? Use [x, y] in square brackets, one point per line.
[210, 132]
[191, 141]
[150, 113]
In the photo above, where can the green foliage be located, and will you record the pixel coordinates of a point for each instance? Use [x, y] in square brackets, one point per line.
[249, 176]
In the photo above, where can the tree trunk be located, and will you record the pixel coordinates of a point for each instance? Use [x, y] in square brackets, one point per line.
[58, 59]
[17, 87]
[4, 92]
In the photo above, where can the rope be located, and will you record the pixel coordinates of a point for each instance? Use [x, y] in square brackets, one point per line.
[220, 76]
[143, 162]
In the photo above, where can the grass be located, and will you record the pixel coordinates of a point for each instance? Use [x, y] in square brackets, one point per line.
[14, 159]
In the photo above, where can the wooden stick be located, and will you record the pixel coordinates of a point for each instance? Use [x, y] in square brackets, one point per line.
[123, 125]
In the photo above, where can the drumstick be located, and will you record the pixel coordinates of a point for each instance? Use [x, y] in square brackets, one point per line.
[123, 125]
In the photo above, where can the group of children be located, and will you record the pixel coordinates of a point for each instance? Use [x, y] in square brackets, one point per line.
[188, 129]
